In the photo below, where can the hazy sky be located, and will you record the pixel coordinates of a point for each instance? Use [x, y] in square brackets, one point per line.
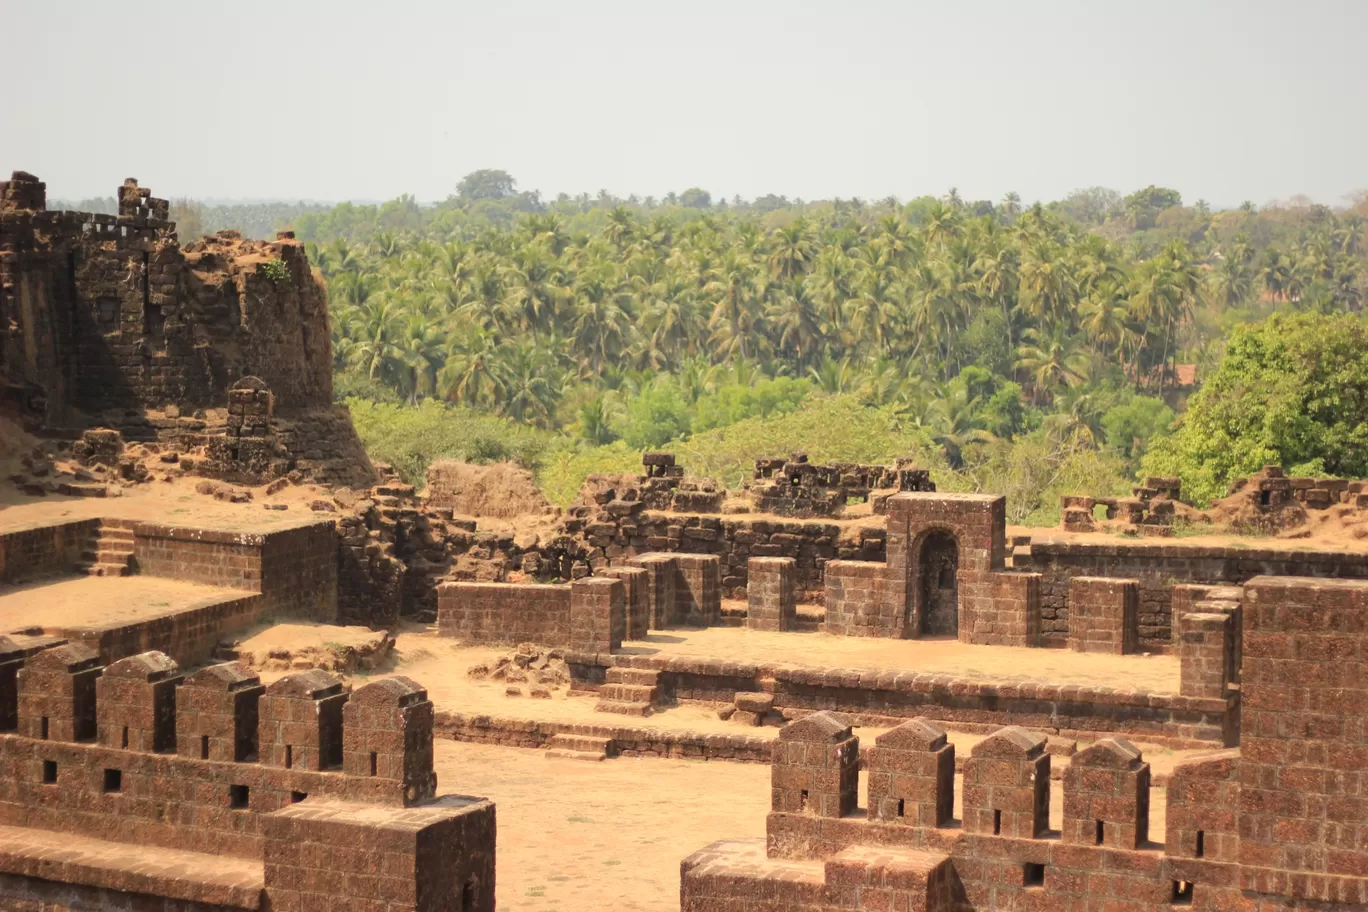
[332, 100]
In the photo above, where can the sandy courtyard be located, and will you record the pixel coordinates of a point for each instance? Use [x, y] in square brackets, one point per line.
[584, 837]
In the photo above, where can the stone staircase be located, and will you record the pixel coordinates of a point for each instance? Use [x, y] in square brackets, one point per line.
[110, 552]
[578, 747]
[629, 691]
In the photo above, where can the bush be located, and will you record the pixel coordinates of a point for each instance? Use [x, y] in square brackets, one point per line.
[655, 415]
[1291, 391]
[737, 402]
[411, 438]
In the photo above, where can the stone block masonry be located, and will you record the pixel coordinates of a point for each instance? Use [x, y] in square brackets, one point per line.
[195, 823]
[636, 583]
[112, 314]
[41, 549]
[589, 614]
[1273, 826]
[1204, 648]
[1105, 615]
[771, 602]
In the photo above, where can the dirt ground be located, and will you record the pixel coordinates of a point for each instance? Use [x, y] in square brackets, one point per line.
[619, 842]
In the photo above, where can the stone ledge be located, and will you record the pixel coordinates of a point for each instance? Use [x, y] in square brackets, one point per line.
[234, 883]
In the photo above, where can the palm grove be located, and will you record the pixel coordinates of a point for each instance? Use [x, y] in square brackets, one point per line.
[971, 327]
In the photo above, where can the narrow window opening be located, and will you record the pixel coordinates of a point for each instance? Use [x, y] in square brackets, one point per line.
[1201, 843]
[803, 800]
[289, 757]
[997, 823]
[1033, 875]
[238, 797]
[1265, 498]
[45, 727]
[49, 771]
[900, 807]
[204, 747]
[1182, 893]
[468, 896]
[375, 763]
[125, 737]
[1099, 832]
[113, 780]
[296, 797]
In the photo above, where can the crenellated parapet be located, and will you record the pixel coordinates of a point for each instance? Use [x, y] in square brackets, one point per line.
[330, 790]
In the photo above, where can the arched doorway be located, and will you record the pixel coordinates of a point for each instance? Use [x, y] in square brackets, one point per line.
[940, 585]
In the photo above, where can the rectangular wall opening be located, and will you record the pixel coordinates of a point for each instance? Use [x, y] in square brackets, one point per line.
[1032, 875]
[901, 807]
[49, 772]
[997, 823]
[803, 800]
[113, 780]
[1182, 893]
[1100, 834]
[238, 797]
[375, 763]
[468, 896]
[289, 756]
[204, 747]
[1201, 843]
[296, 797]
[125, 737]
[44, 726]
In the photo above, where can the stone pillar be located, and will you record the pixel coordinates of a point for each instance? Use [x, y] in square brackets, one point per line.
[816, 767]
[662, 572]
[1203, 808]
[634, 579]
[436, 857]
[217, 714]
[1205, 650]
[1007, 785]
[598, 614]
[57, 694]
[136, 703]
[772, 603]
[698, 600]
[301, 722]
[387, 734]
[1104, 615]
[911, 772]
[1106, 796]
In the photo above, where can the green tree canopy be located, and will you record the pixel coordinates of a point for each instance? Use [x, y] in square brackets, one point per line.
[1291, 391]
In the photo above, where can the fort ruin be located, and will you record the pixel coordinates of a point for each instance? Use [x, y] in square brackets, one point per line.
[956, 714]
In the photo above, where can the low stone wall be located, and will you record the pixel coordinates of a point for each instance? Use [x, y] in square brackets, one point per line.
[36, 550]
[189, 634]
[889, 697]
[625, 742]
[589, 614]
[1158, 568]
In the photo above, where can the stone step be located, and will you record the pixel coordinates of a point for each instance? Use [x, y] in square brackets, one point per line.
[624, 709]
[107, 534]
[578, 747]
[628, 693]
[642, 676]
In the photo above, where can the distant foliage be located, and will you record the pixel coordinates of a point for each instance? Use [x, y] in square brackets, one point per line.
[1291, 391]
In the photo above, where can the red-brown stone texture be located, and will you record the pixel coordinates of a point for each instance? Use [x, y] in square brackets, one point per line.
[1106, 796]
[911, 772]
[771, 600]
[1274, 825]
[1007, 785]
[194, 824]
[112, 314]
[1104, 615]
[816, 767]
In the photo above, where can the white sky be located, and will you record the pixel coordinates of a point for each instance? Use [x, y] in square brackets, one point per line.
[341, 99]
